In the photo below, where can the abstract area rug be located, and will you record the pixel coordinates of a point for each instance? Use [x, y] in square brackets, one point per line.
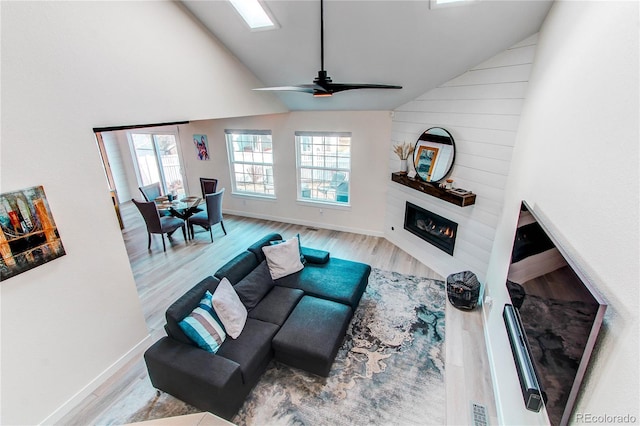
[389, 370]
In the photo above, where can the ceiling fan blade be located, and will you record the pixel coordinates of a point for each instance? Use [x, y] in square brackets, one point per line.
[306, 88]
[322, 84]
[341, 87]
[314, 89]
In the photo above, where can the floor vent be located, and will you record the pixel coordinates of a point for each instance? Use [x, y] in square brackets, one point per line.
[312, 229]
[479, 415]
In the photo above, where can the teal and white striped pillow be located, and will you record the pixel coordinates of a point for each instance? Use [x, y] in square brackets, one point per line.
[203, 326]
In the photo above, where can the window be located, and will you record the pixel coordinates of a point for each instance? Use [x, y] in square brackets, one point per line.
[433, 4]
[324, 166]
[156, 160]
[254, 14]
[251, 162]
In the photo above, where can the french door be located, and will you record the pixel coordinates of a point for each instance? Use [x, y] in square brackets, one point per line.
[157, 159]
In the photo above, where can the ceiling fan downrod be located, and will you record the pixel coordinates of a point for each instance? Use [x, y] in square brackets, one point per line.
[322, 84]
[322, 79]
[322, 36]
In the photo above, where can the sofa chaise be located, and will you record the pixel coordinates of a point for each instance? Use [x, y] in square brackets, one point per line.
[299, 319]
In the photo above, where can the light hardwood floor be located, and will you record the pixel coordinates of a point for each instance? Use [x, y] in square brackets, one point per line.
[162, 277]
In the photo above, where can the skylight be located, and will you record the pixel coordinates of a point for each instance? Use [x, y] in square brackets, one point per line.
[253, 14]
[440, 3]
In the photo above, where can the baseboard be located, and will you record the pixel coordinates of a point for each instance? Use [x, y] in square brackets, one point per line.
[75, 400]
[486, 307]
[311, 224]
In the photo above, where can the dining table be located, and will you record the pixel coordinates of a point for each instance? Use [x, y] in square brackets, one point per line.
[183, 208]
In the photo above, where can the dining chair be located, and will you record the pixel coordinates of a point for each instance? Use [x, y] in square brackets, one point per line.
[157, 224]
[211, 216]
[151, 192]
[208, 185]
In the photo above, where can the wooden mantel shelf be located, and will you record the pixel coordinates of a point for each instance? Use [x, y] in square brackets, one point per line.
[434, 190]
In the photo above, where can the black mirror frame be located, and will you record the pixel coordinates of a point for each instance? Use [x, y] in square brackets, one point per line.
[425, 136]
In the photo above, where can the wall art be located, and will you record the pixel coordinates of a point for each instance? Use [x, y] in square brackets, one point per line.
[28, 234]
[202, 146]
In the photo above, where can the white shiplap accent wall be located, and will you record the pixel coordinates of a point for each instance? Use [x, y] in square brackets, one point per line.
[481, 109]
[117, 164]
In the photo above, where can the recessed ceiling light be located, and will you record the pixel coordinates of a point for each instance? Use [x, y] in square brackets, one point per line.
[254, 14]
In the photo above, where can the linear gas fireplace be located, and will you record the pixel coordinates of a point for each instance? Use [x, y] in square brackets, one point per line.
[435, 229]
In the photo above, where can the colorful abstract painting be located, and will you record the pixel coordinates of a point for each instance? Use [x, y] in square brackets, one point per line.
[202, 146]
[28, 234]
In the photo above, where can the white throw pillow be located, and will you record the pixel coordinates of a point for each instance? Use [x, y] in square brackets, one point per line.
[229, 308]
[283, 259]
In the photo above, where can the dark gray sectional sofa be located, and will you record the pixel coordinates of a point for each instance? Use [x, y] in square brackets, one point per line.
[300, 320]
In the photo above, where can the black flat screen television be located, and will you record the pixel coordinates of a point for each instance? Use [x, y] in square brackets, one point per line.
[560, 311]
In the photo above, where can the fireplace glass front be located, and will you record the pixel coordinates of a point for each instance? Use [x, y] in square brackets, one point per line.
[435, 229]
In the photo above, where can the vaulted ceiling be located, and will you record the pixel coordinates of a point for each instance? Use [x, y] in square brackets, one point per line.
[408, 43]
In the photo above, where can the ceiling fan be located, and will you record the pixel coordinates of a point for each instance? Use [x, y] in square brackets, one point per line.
[323, 85]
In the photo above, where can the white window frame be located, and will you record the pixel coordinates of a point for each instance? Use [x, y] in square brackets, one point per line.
[267, 180]
[306, 191]
[255, 14]
[162, 177]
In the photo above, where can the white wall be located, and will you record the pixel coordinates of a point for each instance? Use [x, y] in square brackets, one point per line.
[481, 109]
[68, 67]
[582, 106]
[370, 134]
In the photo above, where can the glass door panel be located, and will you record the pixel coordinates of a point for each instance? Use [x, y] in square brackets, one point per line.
[170, 164]
[145, 158]
[157, 160]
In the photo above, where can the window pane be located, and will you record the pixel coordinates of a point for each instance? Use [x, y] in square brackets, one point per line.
[145, 158]
[170, 163]
[251, 159]
[331, 161]
[324, 162]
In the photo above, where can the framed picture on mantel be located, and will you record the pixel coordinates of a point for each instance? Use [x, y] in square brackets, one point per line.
[425, 159]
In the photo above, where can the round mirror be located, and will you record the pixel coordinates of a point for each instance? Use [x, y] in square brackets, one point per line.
[433, 154]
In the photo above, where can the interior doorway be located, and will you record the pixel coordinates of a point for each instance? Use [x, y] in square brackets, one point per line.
[138, 155]
[110, 178]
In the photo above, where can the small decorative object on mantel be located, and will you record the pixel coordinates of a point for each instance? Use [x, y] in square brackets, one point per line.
[403, 151]
[460, 191]
[448, 184]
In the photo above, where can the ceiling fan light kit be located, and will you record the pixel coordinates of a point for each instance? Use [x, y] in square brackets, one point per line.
[322, 85]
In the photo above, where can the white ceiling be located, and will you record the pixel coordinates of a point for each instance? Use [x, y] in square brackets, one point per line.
[370, 41]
